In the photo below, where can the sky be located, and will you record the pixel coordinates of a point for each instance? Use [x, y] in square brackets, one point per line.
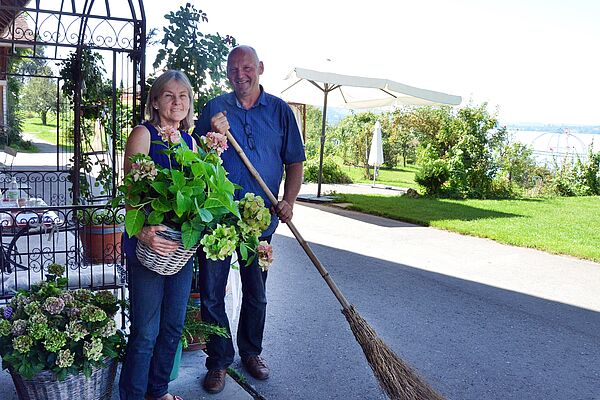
[531, 61]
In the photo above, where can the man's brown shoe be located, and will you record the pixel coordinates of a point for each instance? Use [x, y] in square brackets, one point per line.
[256, 366]
[214, 381]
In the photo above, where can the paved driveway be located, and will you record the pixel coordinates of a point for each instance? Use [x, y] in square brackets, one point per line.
[478, 319]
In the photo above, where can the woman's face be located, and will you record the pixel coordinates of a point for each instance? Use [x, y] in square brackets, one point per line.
[172, 104]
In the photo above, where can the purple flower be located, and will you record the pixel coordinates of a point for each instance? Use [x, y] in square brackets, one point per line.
[8, 312]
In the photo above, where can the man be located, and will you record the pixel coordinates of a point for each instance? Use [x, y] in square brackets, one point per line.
[266, 129]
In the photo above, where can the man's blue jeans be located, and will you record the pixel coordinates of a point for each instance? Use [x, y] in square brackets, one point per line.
[157, 313]
[213, 281]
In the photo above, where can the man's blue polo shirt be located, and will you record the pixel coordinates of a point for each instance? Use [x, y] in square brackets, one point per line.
[268, 134]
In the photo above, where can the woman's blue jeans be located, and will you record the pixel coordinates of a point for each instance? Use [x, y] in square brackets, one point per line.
[251, 325]
[157, 313]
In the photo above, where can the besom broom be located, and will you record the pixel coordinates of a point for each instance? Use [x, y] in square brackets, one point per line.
[396, 378]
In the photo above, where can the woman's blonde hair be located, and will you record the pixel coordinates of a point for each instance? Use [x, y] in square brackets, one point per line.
[157, 89]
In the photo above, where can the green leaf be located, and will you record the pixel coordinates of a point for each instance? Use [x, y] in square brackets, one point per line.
[156, 217]
[205, 215]
[183, 204]
[134, 221]
[243, 251]
[161, 205]
[178, 179]
[161, 187]
[189, 235]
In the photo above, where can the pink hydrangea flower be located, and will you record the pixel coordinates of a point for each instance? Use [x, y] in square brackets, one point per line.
[265, 255]
[169, 134]
[216, 141]
[143, 169]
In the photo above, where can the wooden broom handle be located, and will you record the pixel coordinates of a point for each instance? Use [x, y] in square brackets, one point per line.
[334, 288]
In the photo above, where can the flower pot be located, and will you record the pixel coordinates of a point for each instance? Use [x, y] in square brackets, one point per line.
[176, 362]
[169, 264]
[101, 243]
[44, 386]
[196, 341]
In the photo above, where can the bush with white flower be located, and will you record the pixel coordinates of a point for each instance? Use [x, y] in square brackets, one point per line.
[50, 328]
[193, 196]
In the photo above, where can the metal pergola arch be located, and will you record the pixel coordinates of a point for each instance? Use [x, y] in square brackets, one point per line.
[114, 26]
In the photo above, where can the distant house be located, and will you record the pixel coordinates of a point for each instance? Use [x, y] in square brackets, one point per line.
[14, 32]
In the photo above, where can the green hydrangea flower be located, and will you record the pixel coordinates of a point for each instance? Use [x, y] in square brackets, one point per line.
[76, 330]
[255, 217]
[105, 297]
[92, 313]
[109, 329]
[55, 340]
[93, 350]
[32, 308]
[5, 327]
[38, 326]
[22, 344]
[56, 269]
[83, 295]
[65, 358]
[221, 243]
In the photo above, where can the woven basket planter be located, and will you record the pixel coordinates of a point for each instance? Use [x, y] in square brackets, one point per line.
[165, 265]
[44, 386]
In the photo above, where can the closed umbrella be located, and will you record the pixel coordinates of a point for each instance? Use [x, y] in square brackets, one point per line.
[376, 153]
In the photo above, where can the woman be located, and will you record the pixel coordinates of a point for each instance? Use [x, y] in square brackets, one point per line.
[157, 302]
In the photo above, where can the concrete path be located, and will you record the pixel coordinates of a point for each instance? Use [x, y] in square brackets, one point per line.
[478, 319]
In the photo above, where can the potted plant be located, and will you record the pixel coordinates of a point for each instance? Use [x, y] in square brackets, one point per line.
[195, 199]
[100, 232]
[196, 333]
[59, 343]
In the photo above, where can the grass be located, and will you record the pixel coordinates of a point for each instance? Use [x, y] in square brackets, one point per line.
[560, 225]
[46, 132]
[400, 177]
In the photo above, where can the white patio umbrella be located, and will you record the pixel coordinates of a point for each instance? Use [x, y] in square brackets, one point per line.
[376, 153]
[354, 92]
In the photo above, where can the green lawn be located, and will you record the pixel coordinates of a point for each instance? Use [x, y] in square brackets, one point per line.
[46, 132]
[562, 225]
[401, 176]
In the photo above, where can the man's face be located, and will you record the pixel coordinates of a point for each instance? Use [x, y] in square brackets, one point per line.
[243, 71]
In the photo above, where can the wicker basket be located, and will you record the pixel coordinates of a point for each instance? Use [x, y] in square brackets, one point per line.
[44, 386]
[165, 265]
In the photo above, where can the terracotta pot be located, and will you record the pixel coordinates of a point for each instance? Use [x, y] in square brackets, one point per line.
[101, 243]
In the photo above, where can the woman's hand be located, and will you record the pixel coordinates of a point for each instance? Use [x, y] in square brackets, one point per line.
[159, 244]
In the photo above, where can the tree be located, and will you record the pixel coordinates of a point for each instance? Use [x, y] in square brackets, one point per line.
[40, 96]
[466, 139]
[353, 135]
[517, 163]
[402, 141]
[201, 56]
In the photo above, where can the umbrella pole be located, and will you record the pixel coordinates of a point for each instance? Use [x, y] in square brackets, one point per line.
[374, 174]
[397, 379]
[323, 125]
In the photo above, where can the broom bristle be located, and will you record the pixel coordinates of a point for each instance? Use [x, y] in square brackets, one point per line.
[395, 377]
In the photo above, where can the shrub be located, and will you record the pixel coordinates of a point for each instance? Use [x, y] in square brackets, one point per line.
[432, 176]
[332, 173]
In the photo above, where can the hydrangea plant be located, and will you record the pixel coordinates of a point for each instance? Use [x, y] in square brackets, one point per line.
[194, 197]
[50, 328]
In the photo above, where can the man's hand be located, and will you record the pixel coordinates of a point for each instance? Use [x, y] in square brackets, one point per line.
[284, 211]
[159, 244]
[219, 123]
